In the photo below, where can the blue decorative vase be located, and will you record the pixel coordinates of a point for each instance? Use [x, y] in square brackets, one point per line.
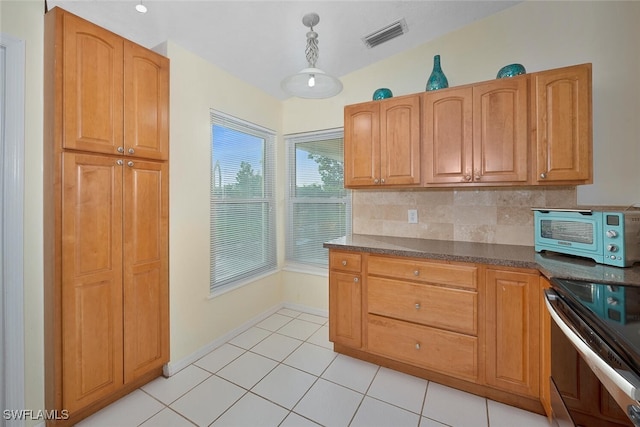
[437, 79]
[511, 70]
[382, 93]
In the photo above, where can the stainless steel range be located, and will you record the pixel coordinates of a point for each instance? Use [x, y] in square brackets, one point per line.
[602, 323]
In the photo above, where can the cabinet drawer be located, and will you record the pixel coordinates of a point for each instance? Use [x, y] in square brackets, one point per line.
[442, 351]
[345, 261]
[447, 308]
[424, 271]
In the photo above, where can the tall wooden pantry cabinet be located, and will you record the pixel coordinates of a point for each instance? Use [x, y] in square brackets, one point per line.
[106, 151]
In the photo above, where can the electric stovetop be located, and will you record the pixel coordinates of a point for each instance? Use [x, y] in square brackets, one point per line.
[613, 311]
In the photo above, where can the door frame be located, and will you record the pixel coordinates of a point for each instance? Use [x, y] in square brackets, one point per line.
[12, 223]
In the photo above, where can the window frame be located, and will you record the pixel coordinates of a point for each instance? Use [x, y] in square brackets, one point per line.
[270, 265]
[291, 140]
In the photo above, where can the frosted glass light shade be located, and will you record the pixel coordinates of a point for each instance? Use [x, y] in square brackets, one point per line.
[325, 85]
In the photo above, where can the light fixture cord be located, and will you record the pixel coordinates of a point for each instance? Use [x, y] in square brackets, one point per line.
[312, 48]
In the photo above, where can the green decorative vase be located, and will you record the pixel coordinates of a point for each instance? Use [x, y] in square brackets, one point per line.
[382, 93]
[437, 79]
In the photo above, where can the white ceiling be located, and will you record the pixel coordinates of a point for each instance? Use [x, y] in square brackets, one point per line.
[261, 42]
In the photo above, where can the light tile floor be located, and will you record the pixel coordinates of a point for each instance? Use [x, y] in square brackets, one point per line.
[283, 372]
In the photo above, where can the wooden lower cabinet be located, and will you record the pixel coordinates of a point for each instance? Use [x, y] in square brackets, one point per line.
[431, 348]
[512, 326]
[474, 327]
[345, 299]
[91, 285]
[108, 315]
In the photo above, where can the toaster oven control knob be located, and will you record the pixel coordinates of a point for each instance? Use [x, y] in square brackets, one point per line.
[612, 233]
[612, 248]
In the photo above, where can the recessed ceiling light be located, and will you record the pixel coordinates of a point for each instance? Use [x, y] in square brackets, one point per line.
[141, 8]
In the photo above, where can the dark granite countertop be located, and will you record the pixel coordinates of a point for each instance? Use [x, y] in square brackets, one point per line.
[551, 265]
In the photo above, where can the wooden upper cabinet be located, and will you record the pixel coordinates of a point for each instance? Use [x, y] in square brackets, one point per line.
[146, 100]
[563, 119]
[115, 94]
[92, 86]
[382, 142]
[146, 267]
[361, 144]
[500, 131]
[447, 122]
[476, 134]
[400, 141]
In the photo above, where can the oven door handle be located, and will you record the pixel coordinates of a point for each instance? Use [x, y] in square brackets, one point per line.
[626, 382]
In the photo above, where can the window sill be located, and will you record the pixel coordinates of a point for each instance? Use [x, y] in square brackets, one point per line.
[240, 284]
[307, 269]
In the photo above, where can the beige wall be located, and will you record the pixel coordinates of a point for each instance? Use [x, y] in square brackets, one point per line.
[541, 35]
[196, 319]
[23, 20]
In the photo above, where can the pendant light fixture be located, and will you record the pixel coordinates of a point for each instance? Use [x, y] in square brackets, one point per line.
[141, 8]
[311, 82]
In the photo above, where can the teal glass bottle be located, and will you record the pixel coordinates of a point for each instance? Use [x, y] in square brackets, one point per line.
[437, 79]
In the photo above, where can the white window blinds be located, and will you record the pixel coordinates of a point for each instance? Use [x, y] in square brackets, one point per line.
[318, 205]
[243, 238]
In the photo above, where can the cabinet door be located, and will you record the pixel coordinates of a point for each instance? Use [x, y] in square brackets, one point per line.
[400, 141]
[91, 278]
[146, 103]
[500, 133]
[92, 87]
[146, 290]
[345, 309]
[447, 123]
[563, 122]
[512, 331]
[362, 144]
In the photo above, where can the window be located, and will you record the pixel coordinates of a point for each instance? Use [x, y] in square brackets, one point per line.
[319, 207]
[243, 241]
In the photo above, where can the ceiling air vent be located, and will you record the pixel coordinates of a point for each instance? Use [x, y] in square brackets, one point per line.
[386, 33]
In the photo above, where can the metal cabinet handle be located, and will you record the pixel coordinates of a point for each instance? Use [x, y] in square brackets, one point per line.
[119, 162]
[356, 280]
[417, 346]
[131, 151]
[477, 175]
[417, 306]
[416, 272]
[130, 163]
[344, 262]
[375, 181]
[382, 181]
[120, 149]
[543, 175]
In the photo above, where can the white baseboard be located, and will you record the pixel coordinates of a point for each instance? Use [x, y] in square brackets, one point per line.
[174, 367]
[306, 309]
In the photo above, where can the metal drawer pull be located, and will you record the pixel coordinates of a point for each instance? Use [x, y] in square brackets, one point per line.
[417, 306]
[344, 262]
[131, 151]
[130, 163]
[416, 273]
[356, 280]
[417, 346]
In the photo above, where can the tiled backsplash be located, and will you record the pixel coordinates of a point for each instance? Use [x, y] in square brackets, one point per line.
[485, 215]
